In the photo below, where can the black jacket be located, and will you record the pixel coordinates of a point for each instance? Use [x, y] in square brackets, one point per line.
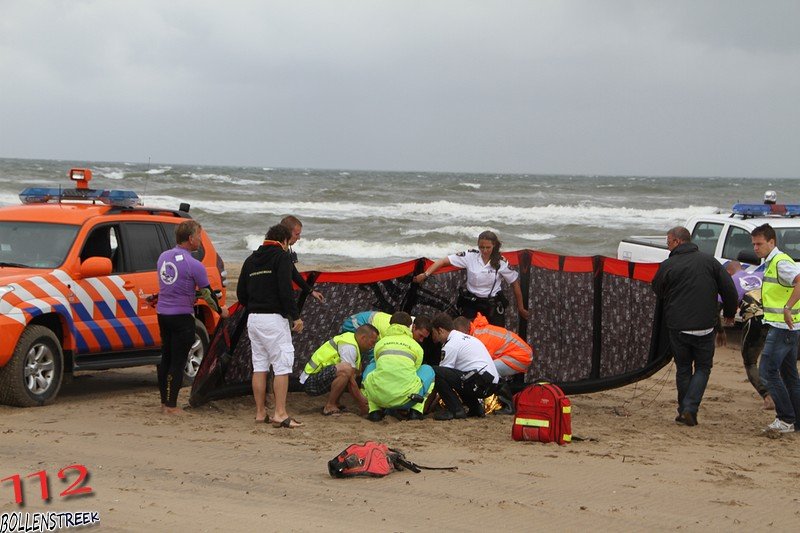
[688, 283]
[265, 282]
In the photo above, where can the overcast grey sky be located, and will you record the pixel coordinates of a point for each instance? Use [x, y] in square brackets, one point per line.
[681, 88]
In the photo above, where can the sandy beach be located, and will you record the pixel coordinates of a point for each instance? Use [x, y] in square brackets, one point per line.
[214, 469]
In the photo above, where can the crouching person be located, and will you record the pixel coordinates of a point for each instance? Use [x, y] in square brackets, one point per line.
[511, 355]
[397, 379]
[333, 367]
[466, 372]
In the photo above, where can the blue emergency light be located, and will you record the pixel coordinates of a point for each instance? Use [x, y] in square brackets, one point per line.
[116, 198]
[82, 177]
[764, 210]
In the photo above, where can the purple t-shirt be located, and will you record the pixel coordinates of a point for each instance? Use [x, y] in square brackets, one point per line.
[178, 275]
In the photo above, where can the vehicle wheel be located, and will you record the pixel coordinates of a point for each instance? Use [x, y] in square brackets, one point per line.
[34, 373]
[196, 352]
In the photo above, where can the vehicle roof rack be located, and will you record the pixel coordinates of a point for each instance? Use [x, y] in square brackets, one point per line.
[150, 211]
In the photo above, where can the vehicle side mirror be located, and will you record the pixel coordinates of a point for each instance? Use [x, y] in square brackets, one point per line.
[93, 267]
[749, 257]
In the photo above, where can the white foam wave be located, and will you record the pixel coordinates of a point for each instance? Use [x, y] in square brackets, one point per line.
[471, 185]
[113, 174]
[363, 249]
[536, 236]
[160, 170]
[471, 232]
[585, 215]
[9, 199]
[221, 178]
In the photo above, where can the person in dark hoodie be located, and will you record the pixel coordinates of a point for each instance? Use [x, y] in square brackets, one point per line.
[265, 289]
[687, 283]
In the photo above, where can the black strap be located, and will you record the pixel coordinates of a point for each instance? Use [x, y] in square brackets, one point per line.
[400, 459]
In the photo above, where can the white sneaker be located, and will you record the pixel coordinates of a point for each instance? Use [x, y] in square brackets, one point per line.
[780, 426]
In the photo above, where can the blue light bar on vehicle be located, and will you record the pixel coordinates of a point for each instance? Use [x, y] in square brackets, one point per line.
[763, 210]
[116, 198]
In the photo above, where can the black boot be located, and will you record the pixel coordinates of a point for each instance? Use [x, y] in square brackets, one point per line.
[506, 398]
[376, 416]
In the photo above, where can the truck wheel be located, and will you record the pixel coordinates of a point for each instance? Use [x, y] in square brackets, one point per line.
[34, 373]
[196, 352]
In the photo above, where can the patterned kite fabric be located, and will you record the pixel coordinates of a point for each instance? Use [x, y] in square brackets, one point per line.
[593, 320]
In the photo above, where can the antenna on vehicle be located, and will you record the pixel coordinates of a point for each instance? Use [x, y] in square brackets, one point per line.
[146, 176]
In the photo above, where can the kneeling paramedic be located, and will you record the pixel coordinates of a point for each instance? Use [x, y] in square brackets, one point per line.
[332, 368]
[397, 379]
[420, 328]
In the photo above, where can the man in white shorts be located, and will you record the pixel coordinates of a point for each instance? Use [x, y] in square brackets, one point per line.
[265, 289]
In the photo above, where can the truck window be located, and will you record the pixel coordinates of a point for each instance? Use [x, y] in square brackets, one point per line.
[789, 241]
[169, 230]
[145, 242]
[103, 242]
[706, 235]
[738, 240]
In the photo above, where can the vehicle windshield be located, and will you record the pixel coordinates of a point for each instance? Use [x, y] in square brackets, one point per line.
[35, 244]
[789, 241]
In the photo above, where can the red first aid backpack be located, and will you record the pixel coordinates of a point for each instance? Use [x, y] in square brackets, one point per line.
[543, 413]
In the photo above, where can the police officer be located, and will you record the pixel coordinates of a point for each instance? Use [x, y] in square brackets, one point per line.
[485, 267]
[466, 371]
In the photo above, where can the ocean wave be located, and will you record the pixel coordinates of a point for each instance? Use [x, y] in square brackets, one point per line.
[587, 215]
[468, 231]
[221, 178]
[536, 236]
[471, 185]
[160, 170]
[359, 249]
[111, 174]
[9, 199]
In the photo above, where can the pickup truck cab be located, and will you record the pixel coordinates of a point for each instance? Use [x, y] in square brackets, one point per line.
[726, 236]
[77, 273]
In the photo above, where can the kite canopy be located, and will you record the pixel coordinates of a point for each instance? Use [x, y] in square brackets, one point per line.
[594, 321]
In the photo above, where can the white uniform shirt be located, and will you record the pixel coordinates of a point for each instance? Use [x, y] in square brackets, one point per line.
[481, 277]
[787, 271]
[464, 352]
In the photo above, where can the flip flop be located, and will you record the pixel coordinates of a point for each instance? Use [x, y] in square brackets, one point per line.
[336, 412]
[289, 423]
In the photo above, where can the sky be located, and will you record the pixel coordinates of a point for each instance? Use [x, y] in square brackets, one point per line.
[678, 88]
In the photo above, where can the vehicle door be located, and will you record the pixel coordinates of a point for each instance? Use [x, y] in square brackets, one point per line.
[738, 245]
[105, 307]
[141, 244]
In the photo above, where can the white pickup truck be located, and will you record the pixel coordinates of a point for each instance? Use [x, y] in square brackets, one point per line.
[725, 236]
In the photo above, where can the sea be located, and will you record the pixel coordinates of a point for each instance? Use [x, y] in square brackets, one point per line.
[355, 219]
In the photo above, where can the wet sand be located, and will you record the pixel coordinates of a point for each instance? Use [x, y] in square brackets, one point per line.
[213, 469]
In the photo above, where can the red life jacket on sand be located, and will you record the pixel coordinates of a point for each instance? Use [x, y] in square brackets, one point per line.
[373, 459]
[502, 344]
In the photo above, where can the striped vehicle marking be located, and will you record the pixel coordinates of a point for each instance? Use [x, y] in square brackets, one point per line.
[126, 304]
[104, 292]
[83, 297]
[138, 322]
[94, 321]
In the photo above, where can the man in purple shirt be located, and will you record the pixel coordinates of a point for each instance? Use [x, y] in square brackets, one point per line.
[179, 275]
